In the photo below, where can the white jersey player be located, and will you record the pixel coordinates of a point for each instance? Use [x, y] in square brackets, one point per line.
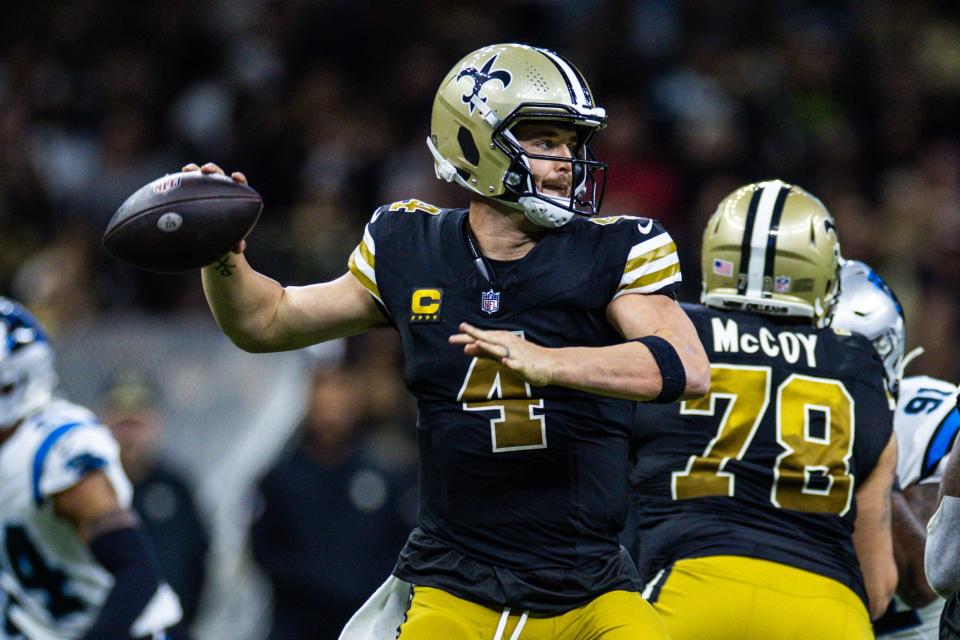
[73, 563]
[925, 423]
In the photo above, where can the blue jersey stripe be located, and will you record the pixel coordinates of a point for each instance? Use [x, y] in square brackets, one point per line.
[940, 443]
[41, 456]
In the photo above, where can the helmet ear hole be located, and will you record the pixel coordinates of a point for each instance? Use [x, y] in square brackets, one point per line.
[467, 146]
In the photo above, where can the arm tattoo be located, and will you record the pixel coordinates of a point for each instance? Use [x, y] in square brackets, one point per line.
[224, 267]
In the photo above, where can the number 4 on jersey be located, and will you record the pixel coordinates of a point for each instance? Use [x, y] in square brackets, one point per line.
[488, 386]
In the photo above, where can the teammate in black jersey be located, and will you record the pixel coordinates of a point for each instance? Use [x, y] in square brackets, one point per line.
[746, 500]
[528, 325]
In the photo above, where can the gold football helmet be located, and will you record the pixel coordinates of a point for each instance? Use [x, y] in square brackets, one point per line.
[771, 248]
[483, 97]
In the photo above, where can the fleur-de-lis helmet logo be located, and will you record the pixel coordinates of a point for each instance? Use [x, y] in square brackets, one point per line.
[481, 77]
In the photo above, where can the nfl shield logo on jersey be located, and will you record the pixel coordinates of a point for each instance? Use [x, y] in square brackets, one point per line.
[490, 301]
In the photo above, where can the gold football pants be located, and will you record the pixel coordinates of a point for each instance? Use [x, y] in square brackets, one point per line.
[739, 598]
[616, 615]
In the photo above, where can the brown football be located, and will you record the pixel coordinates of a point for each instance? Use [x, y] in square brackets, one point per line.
[182, 222]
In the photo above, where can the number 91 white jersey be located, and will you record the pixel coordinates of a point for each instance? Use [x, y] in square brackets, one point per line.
[926, 423]
[51, 587]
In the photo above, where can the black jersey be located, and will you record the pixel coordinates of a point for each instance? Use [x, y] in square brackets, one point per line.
[522, 489]
[766, 465]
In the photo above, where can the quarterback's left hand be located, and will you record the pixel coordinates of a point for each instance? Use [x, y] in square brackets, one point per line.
[532, 362]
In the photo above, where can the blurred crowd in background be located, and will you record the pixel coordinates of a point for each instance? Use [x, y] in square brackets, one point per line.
[325, 106]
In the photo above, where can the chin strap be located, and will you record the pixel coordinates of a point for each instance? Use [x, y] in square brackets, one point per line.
[442, 167]
[907, 359]
[541, 212]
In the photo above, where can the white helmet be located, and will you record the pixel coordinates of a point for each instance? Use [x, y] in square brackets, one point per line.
[27, 378]
[868, 306]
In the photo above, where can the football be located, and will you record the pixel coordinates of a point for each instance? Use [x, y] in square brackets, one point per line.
[182, 222]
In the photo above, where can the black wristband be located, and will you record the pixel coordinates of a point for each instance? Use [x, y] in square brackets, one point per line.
[671, 368]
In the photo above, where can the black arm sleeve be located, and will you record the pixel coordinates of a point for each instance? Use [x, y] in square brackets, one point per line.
[672, 373]
[127, 554]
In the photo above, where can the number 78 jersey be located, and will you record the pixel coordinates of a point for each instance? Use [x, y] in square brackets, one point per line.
[767, 464]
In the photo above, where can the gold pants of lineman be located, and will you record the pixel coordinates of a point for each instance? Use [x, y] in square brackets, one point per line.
[617, 615]
[739, 598]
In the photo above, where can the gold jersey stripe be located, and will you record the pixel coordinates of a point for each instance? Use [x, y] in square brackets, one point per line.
[367, 283]
[650, 256]
[367, 255]
[652, 278]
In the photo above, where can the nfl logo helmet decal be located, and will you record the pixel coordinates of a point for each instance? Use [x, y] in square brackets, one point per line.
[490, 301]
[782, 284]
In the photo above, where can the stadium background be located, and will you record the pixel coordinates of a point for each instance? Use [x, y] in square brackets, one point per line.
[325, 106]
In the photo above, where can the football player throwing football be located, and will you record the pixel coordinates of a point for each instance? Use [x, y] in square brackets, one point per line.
[528, 326]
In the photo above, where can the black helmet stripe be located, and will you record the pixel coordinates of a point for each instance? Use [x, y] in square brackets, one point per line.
[566, 73]
[758, 248]
[772, 235]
